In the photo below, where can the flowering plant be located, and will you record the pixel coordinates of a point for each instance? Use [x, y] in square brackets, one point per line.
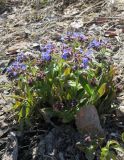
[61, 79]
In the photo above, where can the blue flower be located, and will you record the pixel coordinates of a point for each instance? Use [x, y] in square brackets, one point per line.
[9, 69]
[66, 53]
[69, 33]
[46, 56]
[64, 45]
[79, 35]
[16, 65]
[81, 50]
[14, 74]
[48, 51]
[20, 57]
[23, 66]
[89, 53]
[94, 44]
[75, 35]
[47, 48]
[85, 61]
[64, 56]
[82, 37]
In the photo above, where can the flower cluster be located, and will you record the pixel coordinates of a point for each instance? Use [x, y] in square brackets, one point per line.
[46, 51]
[74, 46]
[15, 69]
[63, 76]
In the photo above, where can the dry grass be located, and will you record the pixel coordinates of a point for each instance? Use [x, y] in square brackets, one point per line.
[36, 3]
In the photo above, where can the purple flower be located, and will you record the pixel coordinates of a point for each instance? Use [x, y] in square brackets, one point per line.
[47, 48]
[75, 35]
[16, 65]
[64, 45]
[68, 38]
[46, 56]
[69, 33]
[9, 69]
[80, 50]
[66, 53]
[14, 74]
[85, 61]
[48, 51]
[94, 44]
[20, 57]
[23, 66]
[64, 56]
[82, 37]
[89, 53]
[79, 35]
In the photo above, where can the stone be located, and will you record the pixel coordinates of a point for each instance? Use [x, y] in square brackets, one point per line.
[87, 121]
[11, 151]
[77, 24]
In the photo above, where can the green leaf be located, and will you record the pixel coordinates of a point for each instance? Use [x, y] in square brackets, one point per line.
[112, 71]
[68, 96]
[102, 89]
[90, 153]
[86, 86]
[88, 89]
[104, 153]
[67, 116]
[112, 142]
[122, 137]
[72, 83]
[67, 71]
[17, 104]
[27, 111]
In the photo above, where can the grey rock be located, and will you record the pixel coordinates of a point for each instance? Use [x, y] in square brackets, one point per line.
[87, 121]
[11, 151]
